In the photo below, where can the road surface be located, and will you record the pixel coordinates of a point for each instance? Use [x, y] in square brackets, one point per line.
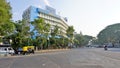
[74, 58]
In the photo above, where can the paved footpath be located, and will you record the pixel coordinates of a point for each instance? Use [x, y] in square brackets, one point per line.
[74, 58]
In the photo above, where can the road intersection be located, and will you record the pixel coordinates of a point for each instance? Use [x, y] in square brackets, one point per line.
[73, 58]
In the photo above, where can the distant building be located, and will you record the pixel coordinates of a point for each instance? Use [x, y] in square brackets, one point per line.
[48, 14]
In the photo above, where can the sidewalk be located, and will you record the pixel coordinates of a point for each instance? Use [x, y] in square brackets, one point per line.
[50, 50]
[36, 53]
[4, 55]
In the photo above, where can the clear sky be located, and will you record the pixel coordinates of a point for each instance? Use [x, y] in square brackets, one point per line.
[87, 16]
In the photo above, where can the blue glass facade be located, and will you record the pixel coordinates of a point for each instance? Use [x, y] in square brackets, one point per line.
[33, 13]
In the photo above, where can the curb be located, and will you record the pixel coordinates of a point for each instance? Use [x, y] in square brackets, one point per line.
[36, 53]
[50, 50]
[5, 55]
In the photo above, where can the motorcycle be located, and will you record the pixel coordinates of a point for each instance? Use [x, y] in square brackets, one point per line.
[105, 48]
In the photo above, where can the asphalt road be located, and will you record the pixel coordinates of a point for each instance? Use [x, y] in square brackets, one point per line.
[74, 58]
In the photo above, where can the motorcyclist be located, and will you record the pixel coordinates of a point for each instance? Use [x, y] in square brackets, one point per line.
[105, 47]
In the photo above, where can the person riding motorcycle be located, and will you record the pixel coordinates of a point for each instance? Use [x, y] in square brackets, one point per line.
[105, 47]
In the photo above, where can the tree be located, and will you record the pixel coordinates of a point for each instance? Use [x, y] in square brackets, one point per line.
[79, 40]
[83, 40]
[86, 39]
[5, 12]
[55, 37]
[21, 35]
[55, 31]
[70, 31]
[70, 34]
[47, 34]
[6, 25]
[111, 34]
[7, 28]
[42, 30]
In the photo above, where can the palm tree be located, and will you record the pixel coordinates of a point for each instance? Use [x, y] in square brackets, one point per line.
[47, 34]
[55, 37]
[42, 29]
[70, 34]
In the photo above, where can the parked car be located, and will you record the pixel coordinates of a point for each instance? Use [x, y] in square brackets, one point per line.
[7, 50]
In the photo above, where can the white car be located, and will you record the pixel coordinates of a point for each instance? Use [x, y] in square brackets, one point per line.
[6, 50]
